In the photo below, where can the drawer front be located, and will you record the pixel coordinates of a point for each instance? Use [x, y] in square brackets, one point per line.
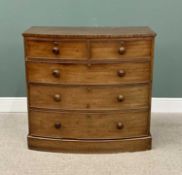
[56, 50]
[94, 74]
[120, 49]
[88, 126]
[89, 97]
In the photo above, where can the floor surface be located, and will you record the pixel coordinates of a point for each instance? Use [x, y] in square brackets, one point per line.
[165, 157]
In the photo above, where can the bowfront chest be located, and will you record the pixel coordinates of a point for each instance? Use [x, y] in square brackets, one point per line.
[89, 88]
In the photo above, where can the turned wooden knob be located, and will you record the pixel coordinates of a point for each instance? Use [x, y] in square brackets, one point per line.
[56, 73]
[55, 50]
[120, 125]
[120, 98]
[57, 97]
[121, 73]
[122, 50]
[57, 125]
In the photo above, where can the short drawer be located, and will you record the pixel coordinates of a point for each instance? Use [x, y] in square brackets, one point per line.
[93, 74]
[131, 49]
[89, 97]
[88, 126]
[68, 49]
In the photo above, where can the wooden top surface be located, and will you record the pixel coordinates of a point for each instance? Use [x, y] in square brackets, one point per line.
[89, 32]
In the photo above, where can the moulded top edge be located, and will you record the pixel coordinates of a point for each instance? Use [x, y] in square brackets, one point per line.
[89, 32]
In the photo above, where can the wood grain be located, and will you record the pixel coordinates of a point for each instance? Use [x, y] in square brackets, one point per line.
[110, 49]
[91, 146]
[88, 74]
[89, 88]
[79, 50]
[84, 125]
[67, 49]
[95, 98]
[88, 32]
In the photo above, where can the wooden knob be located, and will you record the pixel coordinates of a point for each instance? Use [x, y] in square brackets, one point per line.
[120, 98]
[121, 73]
[55, 50]
[56, 73]
[57, 97]
[57, 125]
[121, 50]
[120, 125]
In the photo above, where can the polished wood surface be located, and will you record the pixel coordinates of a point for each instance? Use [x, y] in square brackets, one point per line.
[95, 50]
[90, 146]
[65, 49]
[89, 32]
[87, 97]
[88, 125]
[89, 88]
[119, 49]
[120, 73]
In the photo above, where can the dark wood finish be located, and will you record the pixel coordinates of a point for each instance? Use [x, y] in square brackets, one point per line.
[84, 126]
[97, 97]
[90, 146]
[116, 50]
[56, 73]
[64, 49]
[89, 88]
[78, 50]
[89, 32]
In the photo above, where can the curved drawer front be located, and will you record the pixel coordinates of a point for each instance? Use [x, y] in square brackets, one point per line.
[88, 126]
[120, 49]
[55, 50]
[80, 50]
[93, 74]
[89, 97]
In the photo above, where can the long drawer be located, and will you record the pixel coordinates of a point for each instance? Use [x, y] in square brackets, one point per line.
[94, 49]
[88, 126]
[83, 74]
[89, 97]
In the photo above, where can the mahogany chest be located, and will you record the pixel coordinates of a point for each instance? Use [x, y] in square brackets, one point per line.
[89, 88]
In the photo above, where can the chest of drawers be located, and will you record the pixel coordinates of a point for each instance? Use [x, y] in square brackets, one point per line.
[89, 88]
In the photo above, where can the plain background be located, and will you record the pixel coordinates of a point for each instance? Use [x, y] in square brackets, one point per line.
[163, 16]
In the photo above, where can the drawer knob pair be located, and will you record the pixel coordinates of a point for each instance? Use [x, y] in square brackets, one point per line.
[57, 125]
[120, 125]
[120, 98]
[56, 73]
[57, 97]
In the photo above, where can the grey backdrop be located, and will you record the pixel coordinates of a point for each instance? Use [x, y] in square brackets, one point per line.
[164, 16]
